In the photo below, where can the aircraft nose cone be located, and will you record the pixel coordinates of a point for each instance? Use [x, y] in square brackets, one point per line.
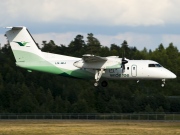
[173, 75]
[169, 74]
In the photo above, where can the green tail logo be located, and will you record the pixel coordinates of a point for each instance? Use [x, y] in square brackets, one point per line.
[21, 43]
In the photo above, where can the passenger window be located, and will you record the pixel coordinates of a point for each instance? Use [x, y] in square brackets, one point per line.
[134, 68]
[127, 68]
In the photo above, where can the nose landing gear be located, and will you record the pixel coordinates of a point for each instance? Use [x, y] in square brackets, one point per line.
[163, 82]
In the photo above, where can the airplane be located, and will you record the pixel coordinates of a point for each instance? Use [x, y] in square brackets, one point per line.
[30, 57]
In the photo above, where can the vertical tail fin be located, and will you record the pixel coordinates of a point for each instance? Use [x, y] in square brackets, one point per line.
[26, 52]
[23, 45]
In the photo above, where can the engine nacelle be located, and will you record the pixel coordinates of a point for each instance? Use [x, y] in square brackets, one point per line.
[97, 65]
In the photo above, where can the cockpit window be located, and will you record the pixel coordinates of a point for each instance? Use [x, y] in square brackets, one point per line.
[154, 65]
[151, 65]
[158, 65]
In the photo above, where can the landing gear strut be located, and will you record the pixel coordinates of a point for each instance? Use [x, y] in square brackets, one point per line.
[163, 82]
[98, 75]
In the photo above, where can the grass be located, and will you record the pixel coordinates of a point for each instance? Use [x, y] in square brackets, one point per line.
[80, 127]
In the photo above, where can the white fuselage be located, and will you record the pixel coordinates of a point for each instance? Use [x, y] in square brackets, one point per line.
[134, 69]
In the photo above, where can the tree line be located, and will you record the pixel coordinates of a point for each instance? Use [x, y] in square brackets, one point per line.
[37, 92]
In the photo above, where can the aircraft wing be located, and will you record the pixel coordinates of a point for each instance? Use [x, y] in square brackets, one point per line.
[92, 58]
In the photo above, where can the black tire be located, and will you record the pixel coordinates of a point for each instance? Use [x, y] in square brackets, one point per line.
[104, 84]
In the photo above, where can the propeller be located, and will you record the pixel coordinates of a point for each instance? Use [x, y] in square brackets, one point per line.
[123, 62]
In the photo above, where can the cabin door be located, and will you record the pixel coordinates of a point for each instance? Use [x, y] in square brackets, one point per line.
[134, 70]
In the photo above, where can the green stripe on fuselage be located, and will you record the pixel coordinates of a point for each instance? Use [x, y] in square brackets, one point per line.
[35, 62]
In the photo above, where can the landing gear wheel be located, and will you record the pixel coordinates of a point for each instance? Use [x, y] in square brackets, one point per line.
[104, 83]
[96, 84]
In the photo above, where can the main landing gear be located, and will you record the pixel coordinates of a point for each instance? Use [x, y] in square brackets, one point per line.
[98, 75]
[103, 84]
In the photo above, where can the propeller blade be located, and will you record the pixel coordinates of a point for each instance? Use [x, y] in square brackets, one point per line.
[123, 66]
[123, 63]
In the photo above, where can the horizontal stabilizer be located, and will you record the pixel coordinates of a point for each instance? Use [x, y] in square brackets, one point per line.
[16, 28]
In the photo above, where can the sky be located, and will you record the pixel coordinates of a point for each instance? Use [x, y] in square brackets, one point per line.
[142, 23]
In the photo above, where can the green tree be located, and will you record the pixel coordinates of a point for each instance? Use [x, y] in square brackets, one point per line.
[115, 50]
[148, 109]
[76, 47]
[114, 106]
[93, 45]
